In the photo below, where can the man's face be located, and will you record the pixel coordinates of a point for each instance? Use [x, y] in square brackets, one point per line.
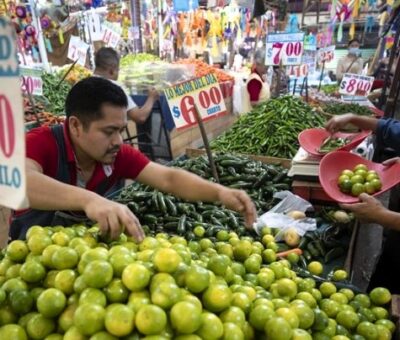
[101, 139]
[354, 44]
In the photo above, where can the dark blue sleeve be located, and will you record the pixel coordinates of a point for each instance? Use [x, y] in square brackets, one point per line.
[388, 134]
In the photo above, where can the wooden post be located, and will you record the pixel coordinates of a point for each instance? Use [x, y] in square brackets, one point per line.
[206, 145]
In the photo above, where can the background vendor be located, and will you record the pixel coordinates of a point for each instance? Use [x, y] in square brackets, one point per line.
[352, 62]
[257, 87]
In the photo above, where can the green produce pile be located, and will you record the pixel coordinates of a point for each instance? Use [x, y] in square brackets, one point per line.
[342, 108]
[330, 89]
[161, 212]
[130, 59]
[63, 283]
[331, 144]
[270, 129]
[55, 95]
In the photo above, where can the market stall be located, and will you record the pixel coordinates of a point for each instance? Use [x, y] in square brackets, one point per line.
[302, 270]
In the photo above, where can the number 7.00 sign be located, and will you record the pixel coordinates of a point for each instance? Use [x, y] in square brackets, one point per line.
[356, 85]
[284, 48]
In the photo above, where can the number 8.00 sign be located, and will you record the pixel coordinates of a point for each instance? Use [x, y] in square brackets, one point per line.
[284, 48]
[356, 85]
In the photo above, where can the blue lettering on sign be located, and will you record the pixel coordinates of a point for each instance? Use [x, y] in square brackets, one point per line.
[176, 111]
[8, 50]
[213, 110]
[10, 177]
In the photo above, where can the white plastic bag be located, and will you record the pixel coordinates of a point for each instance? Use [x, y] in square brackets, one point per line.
[276, 218]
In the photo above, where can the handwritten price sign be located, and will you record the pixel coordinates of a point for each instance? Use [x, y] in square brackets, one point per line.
[202, 94]
[12, 135]
[326, 54]
[111, 34]
[356, 85]
[298, 70]
[285, 48]
[77, 49]
[31, 81]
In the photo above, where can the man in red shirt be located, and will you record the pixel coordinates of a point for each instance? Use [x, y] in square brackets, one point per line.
[72, 168]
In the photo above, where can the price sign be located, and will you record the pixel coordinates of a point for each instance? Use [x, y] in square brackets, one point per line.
[326, 54]
[298, 70]
[77, 49]
[356, 85]
[111, 35]
[202, 94]
[12, 135]
[287, 48]
[31, 81]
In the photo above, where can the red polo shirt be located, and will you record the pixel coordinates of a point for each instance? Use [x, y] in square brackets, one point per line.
[41, 146]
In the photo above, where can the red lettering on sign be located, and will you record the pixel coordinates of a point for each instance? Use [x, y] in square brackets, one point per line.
[215, 95]
[188, 109]
[7, 131]
[204, 99]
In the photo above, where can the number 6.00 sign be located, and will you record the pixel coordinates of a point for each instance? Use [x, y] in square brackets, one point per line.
[285, 48]
[356, 85]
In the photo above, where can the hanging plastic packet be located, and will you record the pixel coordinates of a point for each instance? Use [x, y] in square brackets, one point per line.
[283, 216]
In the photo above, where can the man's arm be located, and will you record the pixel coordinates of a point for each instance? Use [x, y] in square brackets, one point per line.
[140, 114]
[46, 193]
[193, 188]
[371, 210]
[363, 123]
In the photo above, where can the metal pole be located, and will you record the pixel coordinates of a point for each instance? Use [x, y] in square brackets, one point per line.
[322, 76]
[136, 25]
[206, 144]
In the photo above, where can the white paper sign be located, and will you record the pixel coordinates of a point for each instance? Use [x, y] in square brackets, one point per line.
[12, 134]
[356, 85]
[94, 25]
[77, 49]
[111, 35]
[285, 48]
[31, 81]
[326, 54]
[202, 94]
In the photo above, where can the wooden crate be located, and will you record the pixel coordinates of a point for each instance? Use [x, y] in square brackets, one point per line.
[191, 137]
[265, 159]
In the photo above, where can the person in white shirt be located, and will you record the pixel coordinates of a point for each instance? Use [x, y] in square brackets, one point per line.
[107, 66]
[352, 62]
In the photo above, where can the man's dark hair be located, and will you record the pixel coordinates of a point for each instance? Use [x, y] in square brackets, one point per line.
[106, 58]
[354, 40]
[85, 99]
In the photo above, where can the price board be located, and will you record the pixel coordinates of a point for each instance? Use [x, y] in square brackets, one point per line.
[307, 66]
[12, 134]
[356, 85]
[202, 94]
[31, 81]
[285, 48]
[326, 54]
[77, 50]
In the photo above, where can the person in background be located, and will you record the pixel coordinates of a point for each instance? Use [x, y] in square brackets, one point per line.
[257, 87]
[352, 62]
[279, 82]
[371, 210]
[107, 66]
[74, 167]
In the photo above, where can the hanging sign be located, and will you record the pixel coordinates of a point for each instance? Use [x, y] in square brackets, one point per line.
[31, 81]
[94, 26]
[12, 134]
[77, 49]
[202, 94]
[326, 54]
[356, 85]
[285, 48]
[111, 35]
[310, 42]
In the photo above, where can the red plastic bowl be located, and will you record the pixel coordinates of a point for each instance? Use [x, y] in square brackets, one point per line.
[378, 113]
[312, 139]
[334, 163]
